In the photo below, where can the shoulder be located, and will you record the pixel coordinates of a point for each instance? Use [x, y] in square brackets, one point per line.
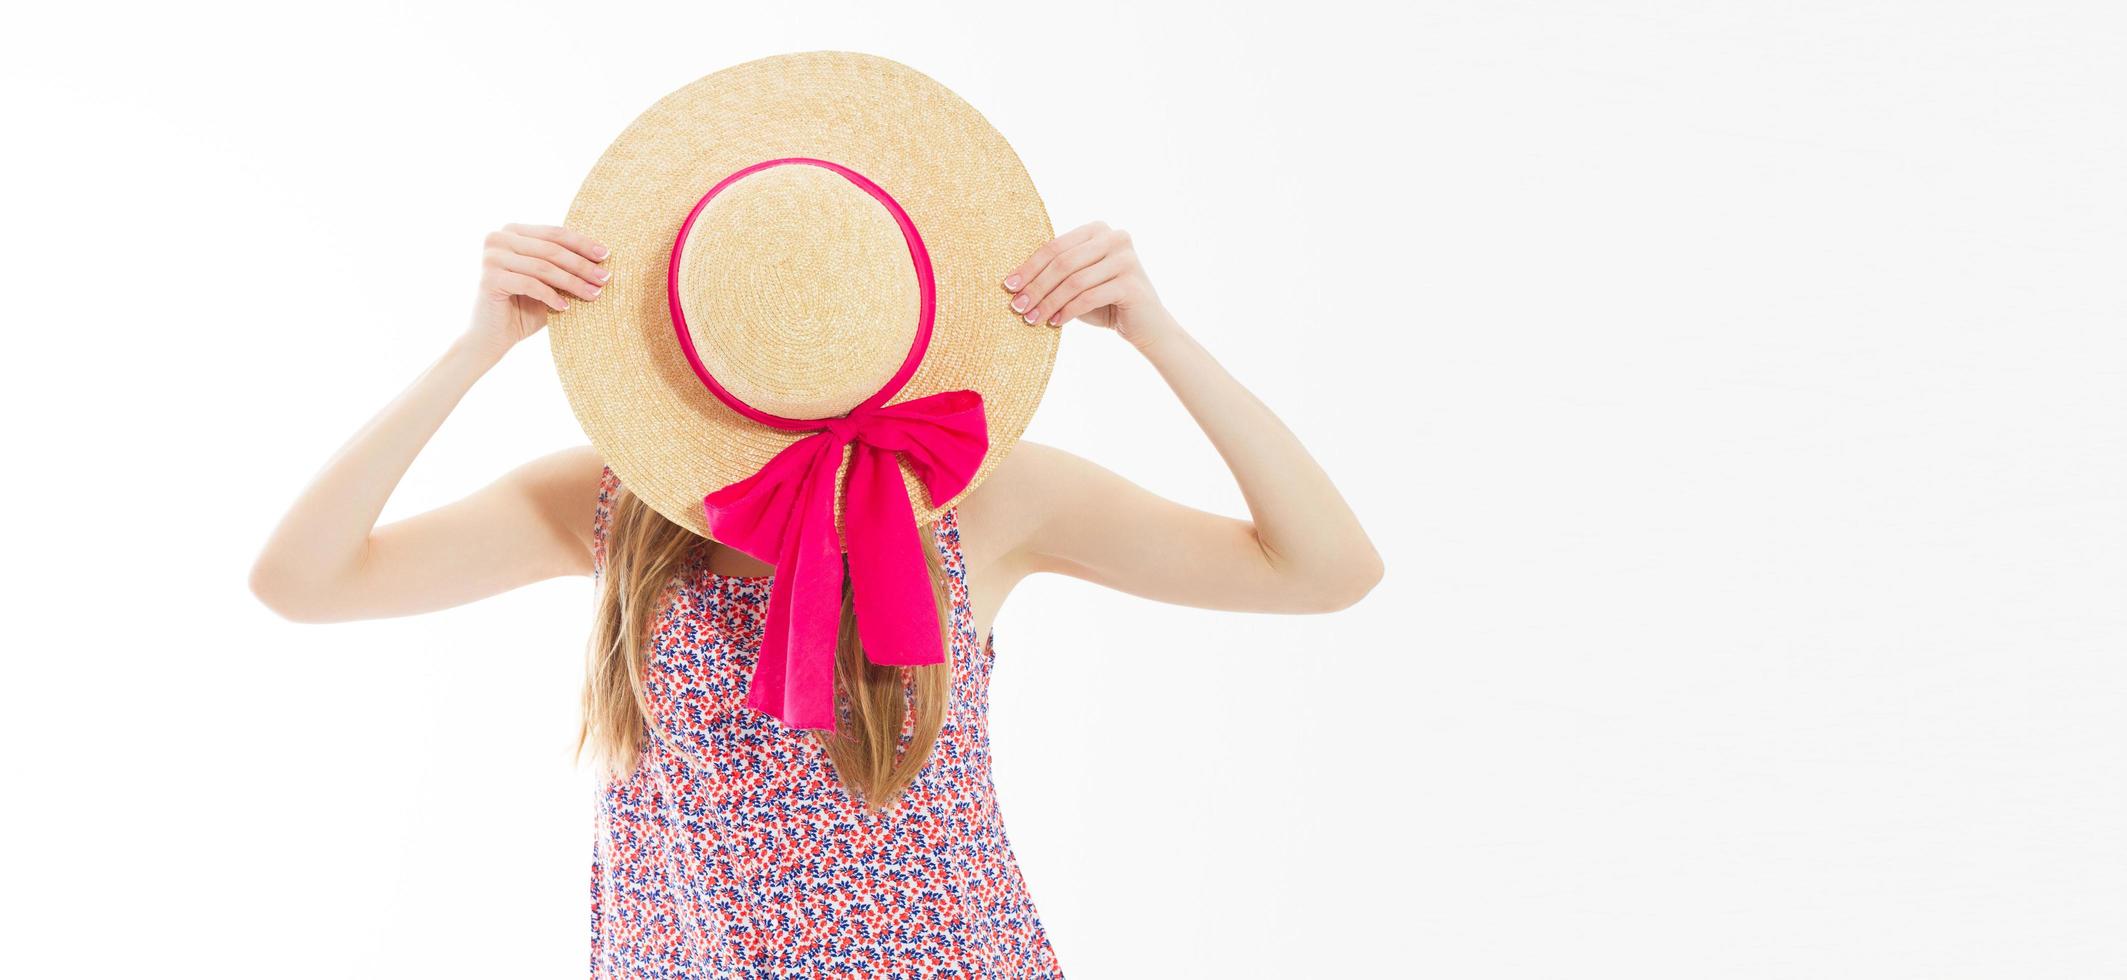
[575, 472]
[1005, 496]
[569, 487]
[1035, 479]
[1026, 491]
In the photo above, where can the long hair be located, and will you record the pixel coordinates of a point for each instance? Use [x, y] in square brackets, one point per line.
[872, 753]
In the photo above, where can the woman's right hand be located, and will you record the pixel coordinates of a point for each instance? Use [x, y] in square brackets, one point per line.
[527, 271]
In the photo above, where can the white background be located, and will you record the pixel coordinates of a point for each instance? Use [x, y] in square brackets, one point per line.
[1735, 392]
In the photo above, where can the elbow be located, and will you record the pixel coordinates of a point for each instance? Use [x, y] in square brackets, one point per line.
[1351, 584]
[268, 589]
[1361, 586]
[1330, 582]
[273, 589]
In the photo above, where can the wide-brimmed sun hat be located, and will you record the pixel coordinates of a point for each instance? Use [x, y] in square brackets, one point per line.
[802, 347]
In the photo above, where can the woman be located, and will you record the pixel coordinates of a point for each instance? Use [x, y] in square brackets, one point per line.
[878, 850]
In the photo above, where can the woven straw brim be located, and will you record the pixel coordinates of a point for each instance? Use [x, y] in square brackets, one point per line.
[667, 436]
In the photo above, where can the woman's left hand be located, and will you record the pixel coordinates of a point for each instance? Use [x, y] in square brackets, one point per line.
[1089, 273]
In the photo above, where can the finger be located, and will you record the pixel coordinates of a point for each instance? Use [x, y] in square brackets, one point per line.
[547, 272]
[566, 258]
[1108, 267]
[1026, 270]
[1104, 294]
[574, 241]
[519, 284]
[1035, 299]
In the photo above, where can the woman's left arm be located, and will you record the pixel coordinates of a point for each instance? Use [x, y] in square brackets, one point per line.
[1304, 550]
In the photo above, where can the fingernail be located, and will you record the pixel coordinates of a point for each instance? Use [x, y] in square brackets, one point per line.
[1011, 282]
[600, 251]
[1019, 303]
[595, 291]
[603, 275]
[1029, 318]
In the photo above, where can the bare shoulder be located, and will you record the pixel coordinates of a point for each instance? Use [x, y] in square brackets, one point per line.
[1018, 498]
[562, 486]
[1036, 478]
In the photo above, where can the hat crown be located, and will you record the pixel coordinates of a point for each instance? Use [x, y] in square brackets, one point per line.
[799, 292]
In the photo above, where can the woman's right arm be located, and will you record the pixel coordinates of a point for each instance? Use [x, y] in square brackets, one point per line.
[327, 561]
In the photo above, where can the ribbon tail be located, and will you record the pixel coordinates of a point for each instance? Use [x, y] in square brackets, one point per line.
[769, 690]
[897, 613]
[785, 514]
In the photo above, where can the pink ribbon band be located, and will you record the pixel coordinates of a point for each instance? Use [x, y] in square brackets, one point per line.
[784, 513]
[926, 292]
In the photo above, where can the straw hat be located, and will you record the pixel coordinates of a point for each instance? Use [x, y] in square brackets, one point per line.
[796, 285]
[805, 255]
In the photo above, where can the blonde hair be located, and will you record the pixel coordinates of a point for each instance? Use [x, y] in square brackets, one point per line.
[643, 551]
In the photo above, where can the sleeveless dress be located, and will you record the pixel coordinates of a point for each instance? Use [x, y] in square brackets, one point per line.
[757, 864]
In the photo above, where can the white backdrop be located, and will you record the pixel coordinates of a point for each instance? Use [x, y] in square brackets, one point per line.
[1735, 392]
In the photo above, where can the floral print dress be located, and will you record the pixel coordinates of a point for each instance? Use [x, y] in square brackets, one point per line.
[754, 863]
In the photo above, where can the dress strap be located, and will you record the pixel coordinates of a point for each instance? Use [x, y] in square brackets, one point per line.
[602, 518]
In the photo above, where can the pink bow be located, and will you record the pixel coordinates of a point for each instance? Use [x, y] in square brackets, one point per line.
[784, 514]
